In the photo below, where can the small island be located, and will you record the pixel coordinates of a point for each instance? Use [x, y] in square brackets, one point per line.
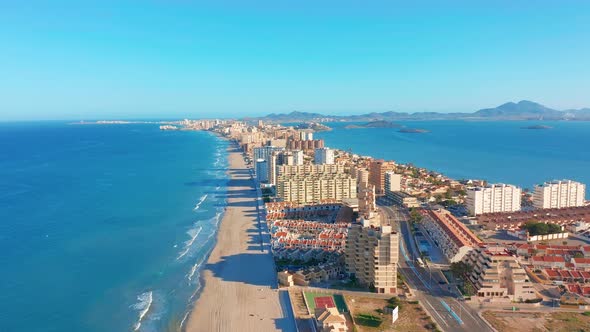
[374, 124]
[413, 131]
[537, 127]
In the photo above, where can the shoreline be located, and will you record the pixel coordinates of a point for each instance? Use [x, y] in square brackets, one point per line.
[239, 280]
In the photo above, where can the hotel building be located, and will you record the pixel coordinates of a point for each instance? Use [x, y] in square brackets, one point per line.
[493, 198]
[559, 194]
[453, 238]
[497, 274]
[371, 255]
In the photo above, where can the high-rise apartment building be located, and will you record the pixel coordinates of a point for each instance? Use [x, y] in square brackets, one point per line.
[393, 182]
[261, 169]
[297, 157]
[371, 255]
[324, 156]
[377, 169]
[559, 194]
[314, 183]
[493, 198]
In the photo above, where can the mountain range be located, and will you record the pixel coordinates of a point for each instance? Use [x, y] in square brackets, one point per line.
[523, 110]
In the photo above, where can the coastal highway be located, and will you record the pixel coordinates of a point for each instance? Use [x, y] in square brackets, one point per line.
[429, 287]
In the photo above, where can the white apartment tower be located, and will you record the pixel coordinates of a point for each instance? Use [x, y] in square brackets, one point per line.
[297, 157]
[324, 156]
[393, 182]
[493, 198]
[559, 194]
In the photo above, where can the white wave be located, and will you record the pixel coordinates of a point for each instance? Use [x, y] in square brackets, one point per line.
[145, 303]
[194, 269]
[198, 205]
[190, 242]
[184, 319]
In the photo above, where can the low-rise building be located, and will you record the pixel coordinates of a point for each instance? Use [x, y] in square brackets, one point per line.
[328, 319]
[453, 238]
[497, 274]
[403, 199]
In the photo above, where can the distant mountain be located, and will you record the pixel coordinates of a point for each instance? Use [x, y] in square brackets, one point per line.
[523, 110]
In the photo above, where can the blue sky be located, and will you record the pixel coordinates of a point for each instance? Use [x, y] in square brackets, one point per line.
[166, 58]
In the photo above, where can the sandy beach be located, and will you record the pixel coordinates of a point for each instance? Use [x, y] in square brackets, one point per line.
[239, 291]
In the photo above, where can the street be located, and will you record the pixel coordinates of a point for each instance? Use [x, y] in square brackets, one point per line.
[438, 299]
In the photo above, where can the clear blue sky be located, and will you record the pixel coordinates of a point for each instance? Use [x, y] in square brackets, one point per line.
[181, 58]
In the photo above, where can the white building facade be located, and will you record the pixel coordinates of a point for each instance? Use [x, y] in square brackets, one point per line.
[559, 194]
[493, 198]
[324, 156]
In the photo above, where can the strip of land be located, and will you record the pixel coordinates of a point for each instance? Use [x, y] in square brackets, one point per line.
[240, 280]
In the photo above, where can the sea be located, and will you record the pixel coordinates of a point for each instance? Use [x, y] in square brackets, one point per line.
[496, 151]
[105, 227]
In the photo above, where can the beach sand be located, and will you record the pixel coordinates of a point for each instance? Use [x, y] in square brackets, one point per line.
[239, 293]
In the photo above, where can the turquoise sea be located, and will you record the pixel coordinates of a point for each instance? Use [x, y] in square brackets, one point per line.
[499, 151]
[104, 227]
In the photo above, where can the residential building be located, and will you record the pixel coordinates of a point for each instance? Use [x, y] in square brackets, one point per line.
[401, 198]
[306, 135]
[372, 256]
[493, 198]
[324, 156]
[453, 238]
[559, 194]
[366, 199]
[377, 170]
[328, 319]
[297, 157]
[261, 170]
[393, 182]
[497, 274]
[311, 188]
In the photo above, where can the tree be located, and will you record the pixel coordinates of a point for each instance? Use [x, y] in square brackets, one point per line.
[469, 289]
[459, 269]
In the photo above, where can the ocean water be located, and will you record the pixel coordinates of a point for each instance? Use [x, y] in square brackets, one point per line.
[105, 227]
[496, 151]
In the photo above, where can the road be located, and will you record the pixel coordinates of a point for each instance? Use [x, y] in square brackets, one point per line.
[438, 299]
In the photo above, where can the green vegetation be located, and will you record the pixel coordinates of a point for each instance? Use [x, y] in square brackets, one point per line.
[586, 313]
[415, 215]
[282, 264]
[539, 228]
[368, 320]
[461, 268]
[394, 302]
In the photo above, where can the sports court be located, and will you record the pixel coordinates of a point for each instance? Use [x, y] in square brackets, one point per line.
[319, 300]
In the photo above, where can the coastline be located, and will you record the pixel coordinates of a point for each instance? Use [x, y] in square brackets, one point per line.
[239, 279]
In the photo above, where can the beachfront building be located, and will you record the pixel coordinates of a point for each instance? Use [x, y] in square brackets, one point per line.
[498, 275]
[311, 188]
[559, 194]
[393, 182]
[324, 156]
[261, 170]
[453, 238]
[371, 256]
[493, 198]
[377, 170]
